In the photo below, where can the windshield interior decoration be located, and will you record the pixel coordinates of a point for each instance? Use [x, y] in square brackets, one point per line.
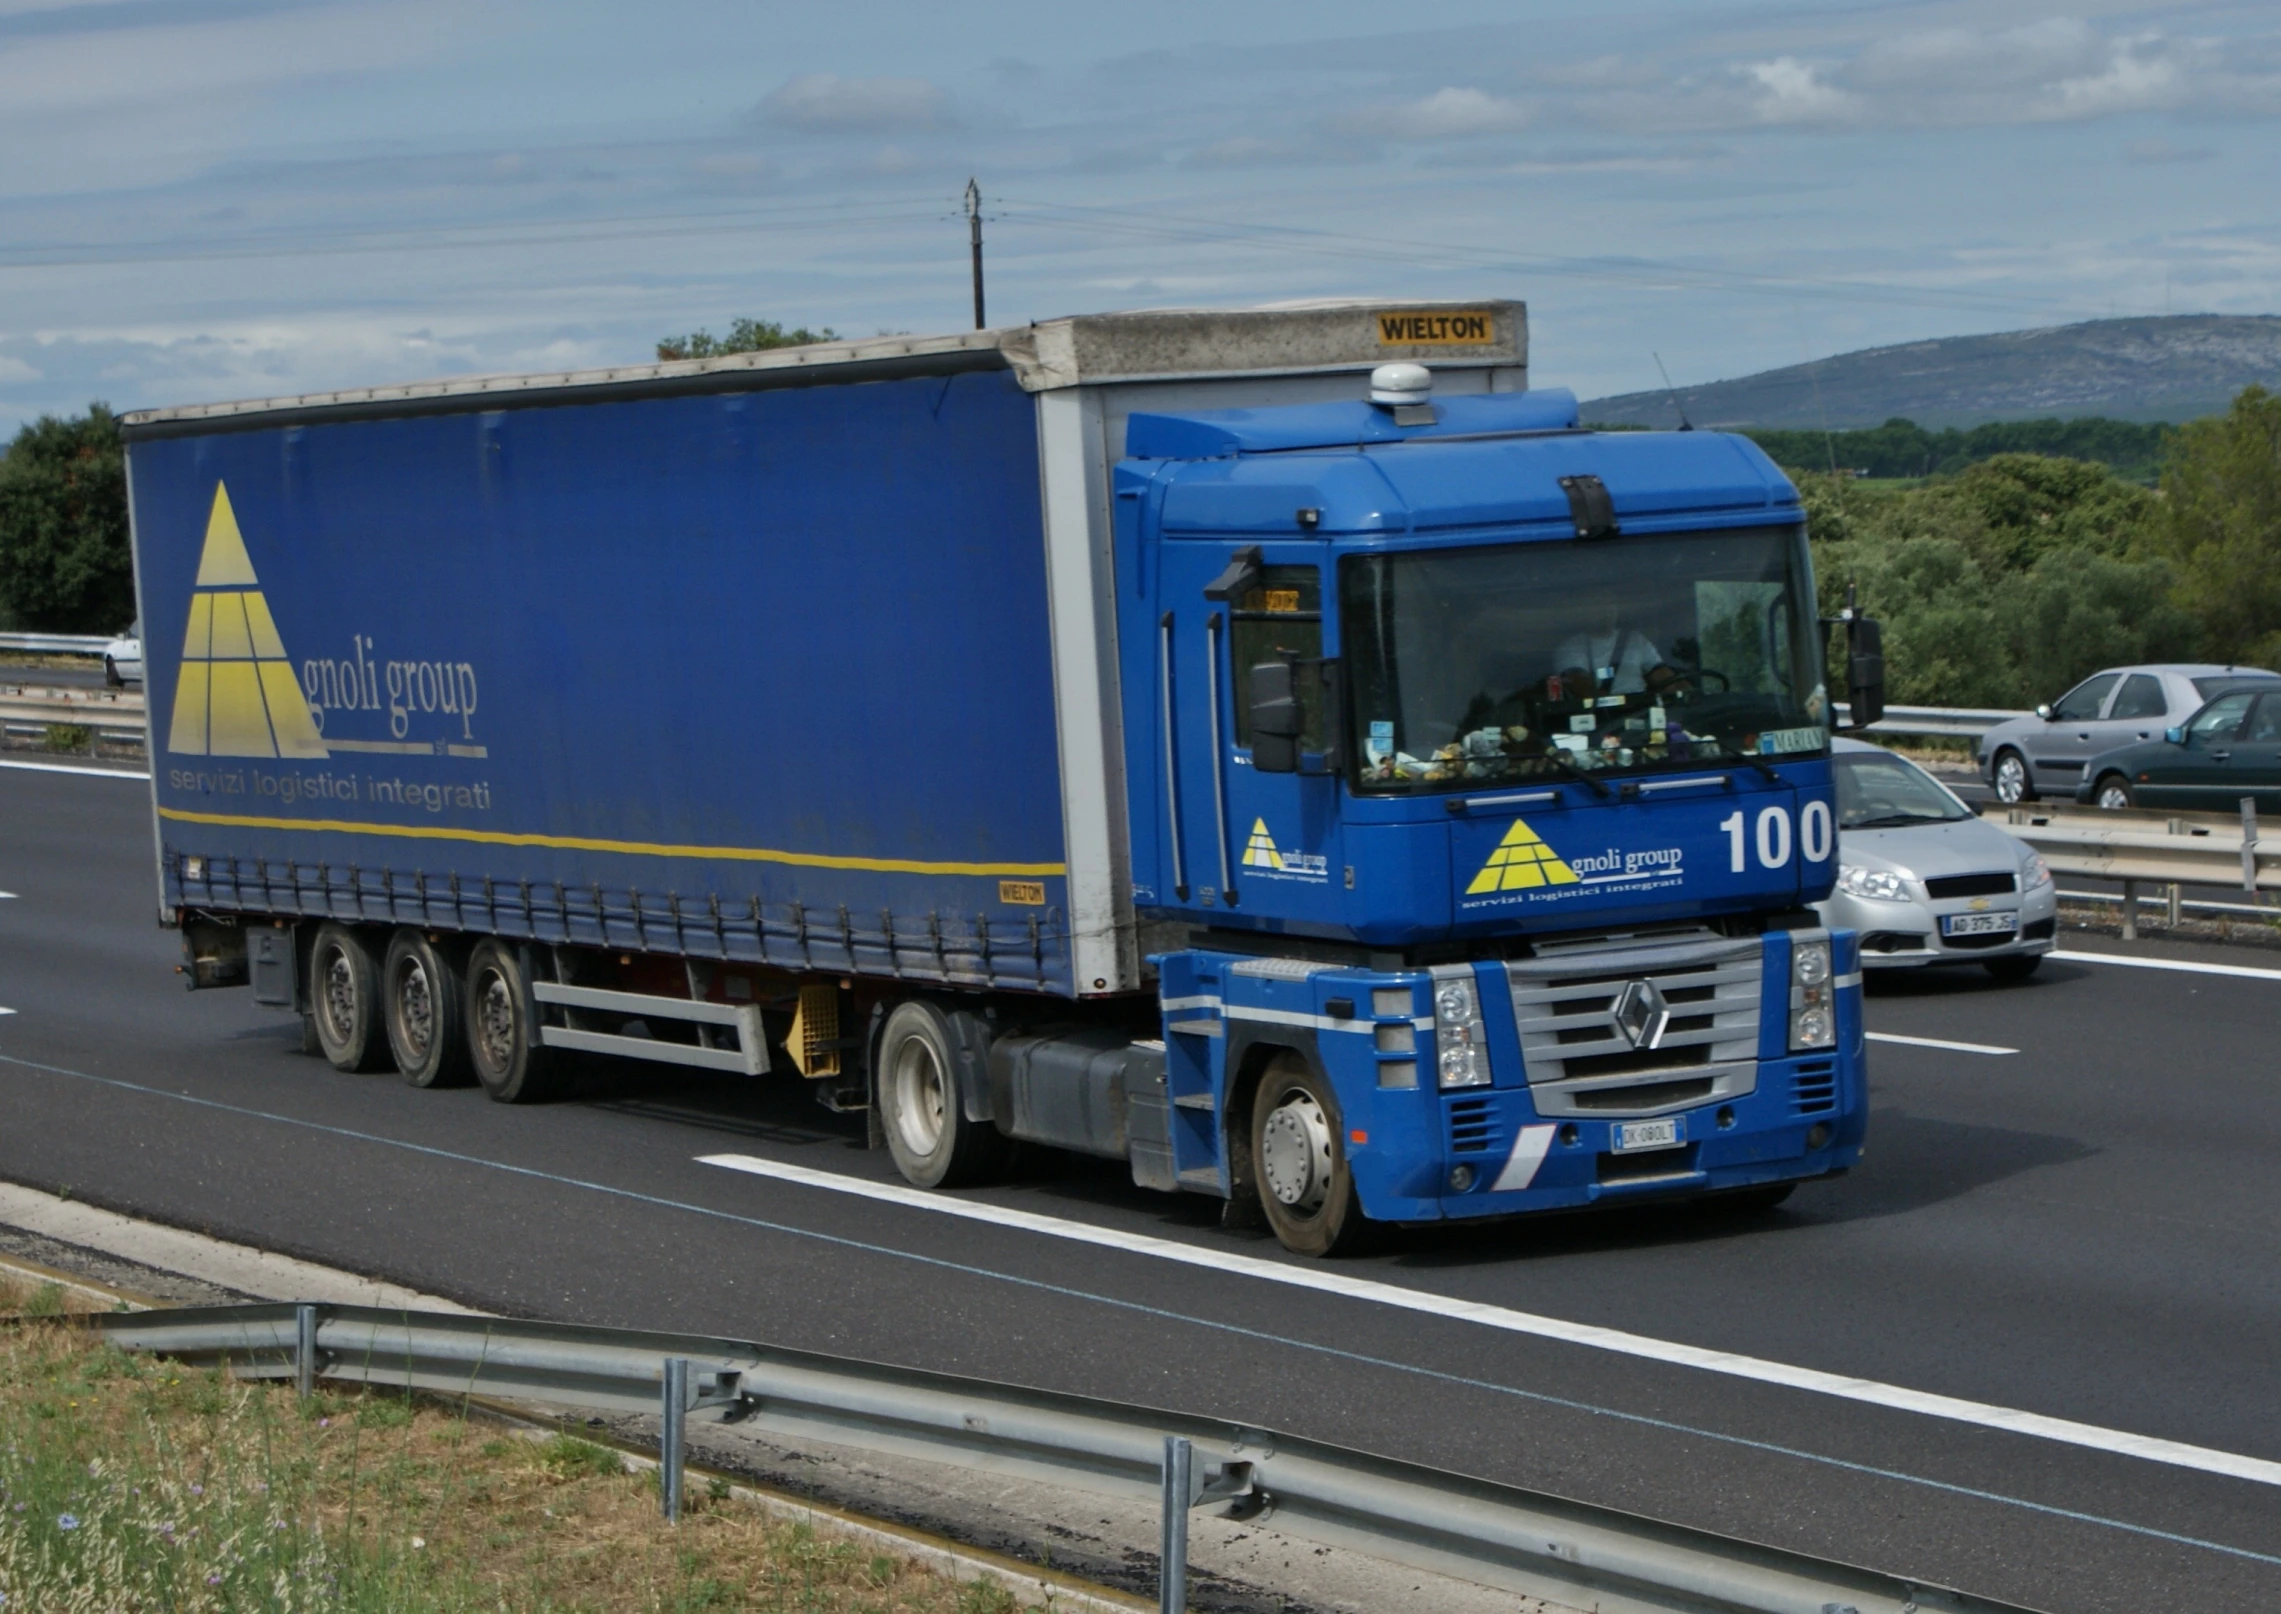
[1538, 660]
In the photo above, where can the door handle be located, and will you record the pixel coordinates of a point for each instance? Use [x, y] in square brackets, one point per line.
[2145, 735]
[2221, 756]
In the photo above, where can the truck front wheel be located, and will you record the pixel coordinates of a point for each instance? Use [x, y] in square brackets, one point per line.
[502, 1028]
[1299, 1160]
[933, 1142]
[345, 999]
[420, 989]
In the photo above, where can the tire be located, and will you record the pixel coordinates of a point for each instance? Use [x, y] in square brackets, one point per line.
[928, 1133]
[2114, 794]
[2013, 970]
[2008, 776]
[1298, 1154]
[502, 1028]
[344, 1000]
[423, 1000]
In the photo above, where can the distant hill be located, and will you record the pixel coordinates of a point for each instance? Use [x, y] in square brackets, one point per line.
[2168, 368]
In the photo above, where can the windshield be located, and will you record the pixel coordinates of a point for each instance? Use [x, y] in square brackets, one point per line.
[1883, 792]
[1614, 655]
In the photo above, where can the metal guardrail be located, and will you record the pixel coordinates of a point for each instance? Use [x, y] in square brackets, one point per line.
[2137, 846]
[1954, 722]
[1497, 1535]
[56, 644]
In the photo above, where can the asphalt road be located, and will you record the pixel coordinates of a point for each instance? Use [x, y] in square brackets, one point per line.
[2083, 1229]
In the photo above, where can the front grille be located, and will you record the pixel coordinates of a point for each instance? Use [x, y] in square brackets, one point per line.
[1970, 885]
[1816, 1089]
[2038, 929]
[1893, 941]
[1969, 944]
[1472, 1126]
[1650, 1167]
[1563, 1005]
[1644, 1095]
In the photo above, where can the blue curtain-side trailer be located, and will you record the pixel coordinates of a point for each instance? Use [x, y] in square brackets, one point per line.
[1275, 749]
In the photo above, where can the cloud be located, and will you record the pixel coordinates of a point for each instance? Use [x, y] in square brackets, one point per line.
[1255, 151]
[1451, 112]
[16, 370]
[1791, 91]
[2147, 153]
[825, 103]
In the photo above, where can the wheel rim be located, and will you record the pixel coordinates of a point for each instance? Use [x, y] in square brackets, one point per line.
[1295, 1153]
[340, 996]
[2011, 778]
[495, 1023]
[2114, 798]
[919, 1097]
[415, 1009]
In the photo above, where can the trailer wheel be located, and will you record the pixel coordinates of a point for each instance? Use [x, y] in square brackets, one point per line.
[502, 1028]
[345, 999]
[1299, 1159]
[934, 1144]
[421, 993]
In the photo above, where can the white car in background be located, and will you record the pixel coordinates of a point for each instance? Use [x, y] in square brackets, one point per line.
[1925, 880]
[123, 657]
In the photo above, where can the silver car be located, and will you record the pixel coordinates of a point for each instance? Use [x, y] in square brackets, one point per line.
[1927, 881]
[2044, 752]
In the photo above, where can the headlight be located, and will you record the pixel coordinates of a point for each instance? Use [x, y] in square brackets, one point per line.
[1879, 885]
[1463, 1056]
[2037, 872]
[1813, 1017]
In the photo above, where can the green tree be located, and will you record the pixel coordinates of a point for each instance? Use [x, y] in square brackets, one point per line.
[2222, 486]
[745, 336]
[64, 560]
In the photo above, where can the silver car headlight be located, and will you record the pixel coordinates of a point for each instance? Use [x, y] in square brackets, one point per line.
[1878, 885]
[1813, 1007]
[1460, 1040]
[2036, 873]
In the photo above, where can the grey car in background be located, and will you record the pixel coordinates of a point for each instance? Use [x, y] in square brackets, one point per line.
[2043, 753]
[1925, 880]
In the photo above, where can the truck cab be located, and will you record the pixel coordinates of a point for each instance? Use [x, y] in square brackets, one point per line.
[1478, 786]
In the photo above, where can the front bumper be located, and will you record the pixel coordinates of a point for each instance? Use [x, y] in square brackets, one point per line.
[1907, 934]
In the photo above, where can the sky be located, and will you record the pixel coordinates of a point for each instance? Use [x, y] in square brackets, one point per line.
[210, 199]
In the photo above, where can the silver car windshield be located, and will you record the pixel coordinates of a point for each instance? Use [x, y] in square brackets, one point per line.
[1885, 792]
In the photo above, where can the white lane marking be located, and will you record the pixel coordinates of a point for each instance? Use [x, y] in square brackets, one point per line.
[7, 1011]
[2149, 1448]
[1937, 1042]
[2167, 964]
[64, 767]
[7, 896]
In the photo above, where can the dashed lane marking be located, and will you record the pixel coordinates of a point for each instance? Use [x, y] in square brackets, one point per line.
[2188, 966]
[1938, 1042]
[2174, 1453]
[65, 767]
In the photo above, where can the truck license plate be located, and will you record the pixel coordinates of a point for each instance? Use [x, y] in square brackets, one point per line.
[1979, 924]
[1632, 1136]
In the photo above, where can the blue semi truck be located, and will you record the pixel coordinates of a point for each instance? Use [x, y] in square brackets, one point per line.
[1276, 749]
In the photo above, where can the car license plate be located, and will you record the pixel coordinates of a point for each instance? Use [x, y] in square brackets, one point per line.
[1632, 1136]
[1979, 924]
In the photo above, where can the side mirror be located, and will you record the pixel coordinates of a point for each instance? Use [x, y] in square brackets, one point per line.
[1865, 670]
[1274, 717]
[2045, 712]
[2175, 734]
[1240, 578]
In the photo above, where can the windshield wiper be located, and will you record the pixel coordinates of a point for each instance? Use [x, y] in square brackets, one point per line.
[1895, 820]
[1560, 758]
[1756, 761]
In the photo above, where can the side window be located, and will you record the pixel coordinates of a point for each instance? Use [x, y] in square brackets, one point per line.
[2082, 703]
[2265, 724]
[2222, 717]
[1282, 619]
[2141, 696]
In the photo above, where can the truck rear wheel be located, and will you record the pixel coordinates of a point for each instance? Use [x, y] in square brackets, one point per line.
[934, 1144]
[502, 1028]
[1299, 1159]
[421, 993]
[345, 999]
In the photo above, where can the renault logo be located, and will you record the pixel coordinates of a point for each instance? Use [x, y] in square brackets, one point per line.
[1641, 1013]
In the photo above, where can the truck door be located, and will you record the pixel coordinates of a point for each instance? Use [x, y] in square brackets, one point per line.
[1257, 843]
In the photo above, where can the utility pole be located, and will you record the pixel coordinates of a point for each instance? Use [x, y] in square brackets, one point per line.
[974, 240]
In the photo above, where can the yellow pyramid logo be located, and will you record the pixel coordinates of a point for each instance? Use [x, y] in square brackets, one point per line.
[1520, 861]
[1260, 852]
[235, 695]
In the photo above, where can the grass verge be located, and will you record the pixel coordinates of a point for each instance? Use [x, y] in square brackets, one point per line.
[129, 1484]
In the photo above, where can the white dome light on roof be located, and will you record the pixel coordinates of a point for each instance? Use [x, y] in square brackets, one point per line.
[1396, 384]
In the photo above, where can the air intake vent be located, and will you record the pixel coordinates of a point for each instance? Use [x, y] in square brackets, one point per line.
[1817, 1087]
[1472, 1127]
[1970, 885]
